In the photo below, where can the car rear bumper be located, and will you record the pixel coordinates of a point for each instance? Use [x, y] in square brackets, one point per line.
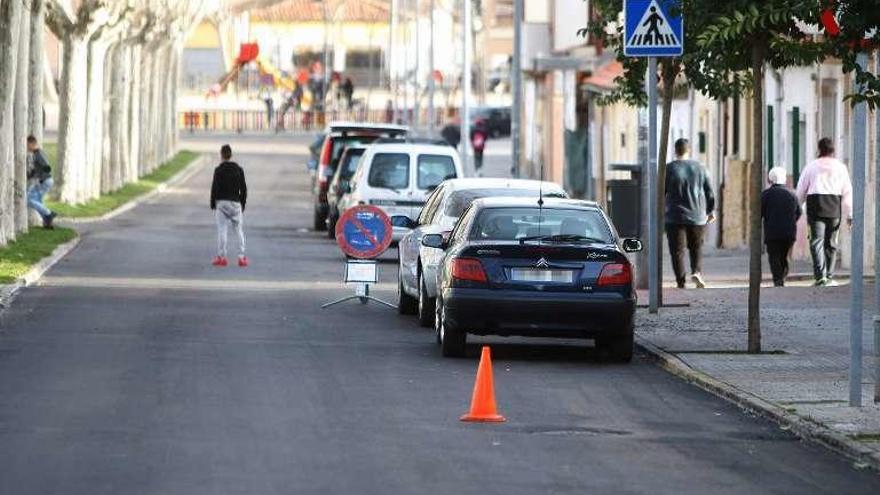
[544, 314]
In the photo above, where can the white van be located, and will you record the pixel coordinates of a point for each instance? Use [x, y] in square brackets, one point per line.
[398, 177]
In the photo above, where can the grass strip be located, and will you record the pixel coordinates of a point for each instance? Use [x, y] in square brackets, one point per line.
[128, 192]
[17, 257]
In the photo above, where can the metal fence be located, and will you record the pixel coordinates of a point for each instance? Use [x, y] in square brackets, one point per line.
[259, 120]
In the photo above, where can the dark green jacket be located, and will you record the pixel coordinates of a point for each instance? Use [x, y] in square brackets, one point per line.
[689, 196]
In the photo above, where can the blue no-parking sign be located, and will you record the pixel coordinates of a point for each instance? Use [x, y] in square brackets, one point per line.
[363, 231]
[653, 28]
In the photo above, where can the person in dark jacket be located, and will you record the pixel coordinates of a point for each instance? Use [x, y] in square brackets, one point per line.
[780, 211]
[228, 200]
[39, 175]
[451, 133]
[690, 204]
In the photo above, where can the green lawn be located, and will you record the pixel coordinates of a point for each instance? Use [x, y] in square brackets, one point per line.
[110, 202]
[18, 257]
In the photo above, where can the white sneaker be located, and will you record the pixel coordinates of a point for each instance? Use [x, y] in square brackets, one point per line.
[697, 278]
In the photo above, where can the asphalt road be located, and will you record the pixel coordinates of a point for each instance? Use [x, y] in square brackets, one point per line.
[138, 368]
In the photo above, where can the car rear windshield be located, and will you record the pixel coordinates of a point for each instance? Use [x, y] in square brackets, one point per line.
[434, 169]
[460, 200]
[509, 224]
[350, 162]
[342, 142]
[389, 171]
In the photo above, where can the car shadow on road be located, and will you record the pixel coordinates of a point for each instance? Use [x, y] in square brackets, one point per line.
[573, 351]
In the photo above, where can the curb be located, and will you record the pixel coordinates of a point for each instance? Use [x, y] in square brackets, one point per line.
[179, 177]
[10, 291]
[800, 426]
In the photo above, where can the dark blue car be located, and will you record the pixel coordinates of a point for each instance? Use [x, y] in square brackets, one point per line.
[532, 267]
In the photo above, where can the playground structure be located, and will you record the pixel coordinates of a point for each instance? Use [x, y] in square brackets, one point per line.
[248, 53]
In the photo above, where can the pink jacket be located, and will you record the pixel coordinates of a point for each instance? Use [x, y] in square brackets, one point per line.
[826, 177]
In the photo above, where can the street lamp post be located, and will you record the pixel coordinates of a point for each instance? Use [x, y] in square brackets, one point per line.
[466, 86]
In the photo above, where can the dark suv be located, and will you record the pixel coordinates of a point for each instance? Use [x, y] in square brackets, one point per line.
[495, 120]
[339, 136]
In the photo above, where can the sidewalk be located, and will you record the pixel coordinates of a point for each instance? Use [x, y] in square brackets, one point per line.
[802, 378]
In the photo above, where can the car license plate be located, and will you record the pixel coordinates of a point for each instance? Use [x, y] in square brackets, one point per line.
[541, 275]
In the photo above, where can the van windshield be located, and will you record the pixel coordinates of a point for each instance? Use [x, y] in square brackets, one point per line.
[389, 171]
[434, 169]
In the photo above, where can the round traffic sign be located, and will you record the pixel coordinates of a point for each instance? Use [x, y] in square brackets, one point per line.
[363, 231]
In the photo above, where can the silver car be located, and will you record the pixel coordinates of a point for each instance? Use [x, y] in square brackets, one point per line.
[417, 280]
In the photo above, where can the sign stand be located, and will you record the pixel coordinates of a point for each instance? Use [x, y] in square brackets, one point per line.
[362, 232]
[362, 273]
[653, 28]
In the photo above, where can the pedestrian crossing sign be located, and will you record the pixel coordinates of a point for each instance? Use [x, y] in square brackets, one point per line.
[653, 28]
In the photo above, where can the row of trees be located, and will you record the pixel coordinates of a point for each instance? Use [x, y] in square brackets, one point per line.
[728, 47]
[117, 93]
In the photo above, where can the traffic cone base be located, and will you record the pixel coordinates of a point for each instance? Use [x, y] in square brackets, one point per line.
[483, 407]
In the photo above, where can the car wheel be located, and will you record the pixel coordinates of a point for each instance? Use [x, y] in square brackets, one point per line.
[620, 347]
[331, 227]
[426, 305]
[453, 341]
[406, 304]
[318, 221]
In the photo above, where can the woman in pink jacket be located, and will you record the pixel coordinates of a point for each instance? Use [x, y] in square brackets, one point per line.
[826, 188]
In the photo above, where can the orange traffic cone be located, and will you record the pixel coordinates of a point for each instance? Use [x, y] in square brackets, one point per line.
[483, 407]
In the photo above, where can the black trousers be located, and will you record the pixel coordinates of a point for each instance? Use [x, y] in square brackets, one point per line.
[778, 253]
[679, 237]
[823, 245]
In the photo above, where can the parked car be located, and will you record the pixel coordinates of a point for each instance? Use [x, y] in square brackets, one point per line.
[495, 120]
[339, 135]
[348, 164]
[417, 286]
[398, 177]
[517, 266]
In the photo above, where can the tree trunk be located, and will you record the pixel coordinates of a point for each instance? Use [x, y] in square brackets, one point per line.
[134, 124]
[20, 118]
[72, 119]
[35, 70]
[756, 180]
[174, 91]
[95, 118]
[10, 12]
[669, 73]
[113, 134]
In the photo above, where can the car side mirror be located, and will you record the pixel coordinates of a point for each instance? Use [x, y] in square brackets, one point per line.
[632, 245]
[403, 221]
[435, 241]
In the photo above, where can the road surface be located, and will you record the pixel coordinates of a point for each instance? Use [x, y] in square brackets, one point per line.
[138, 368]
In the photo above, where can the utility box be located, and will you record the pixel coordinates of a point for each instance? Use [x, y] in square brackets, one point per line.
[625, 198]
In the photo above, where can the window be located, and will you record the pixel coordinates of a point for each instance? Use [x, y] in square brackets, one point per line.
[508, 224]
[434, 169]
[350, 165]
[389, 171]
[363, 59]
[428, 212]
[460, 200]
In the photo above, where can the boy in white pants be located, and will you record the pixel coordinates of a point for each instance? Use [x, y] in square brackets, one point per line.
[228, 199]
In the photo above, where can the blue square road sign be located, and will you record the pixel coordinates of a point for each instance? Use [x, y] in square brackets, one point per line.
[651, 30]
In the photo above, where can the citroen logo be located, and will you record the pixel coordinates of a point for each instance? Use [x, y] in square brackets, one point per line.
[542, 263]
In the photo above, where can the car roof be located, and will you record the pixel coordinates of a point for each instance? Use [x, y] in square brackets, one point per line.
[519, 202]
[343, 126]
[500, 183]
[410, 147]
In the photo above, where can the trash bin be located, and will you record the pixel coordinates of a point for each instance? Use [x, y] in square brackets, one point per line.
[624, 198]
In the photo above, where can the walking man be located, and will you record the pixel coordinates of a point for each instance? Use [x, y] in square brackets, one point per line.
[690, 204]
[478, 142]
[827, 190]
[228, 198]
[780, 211]
[39, 175]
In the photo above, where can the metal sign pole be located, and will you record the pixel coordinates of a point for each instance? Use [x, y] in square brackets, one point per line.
[860, 126]
[653, 238]
[516, 89]
[466, 26]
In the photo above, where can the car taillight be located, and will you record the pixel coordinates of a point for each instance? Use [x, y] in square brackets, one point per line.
[468, 269]
[615, 274]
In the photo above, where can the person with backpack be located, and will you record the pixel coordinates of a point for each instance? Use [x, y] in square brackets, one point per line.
[826, 188]
[228, 200]
[478, 142]
[39, 175]
[780, 212]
